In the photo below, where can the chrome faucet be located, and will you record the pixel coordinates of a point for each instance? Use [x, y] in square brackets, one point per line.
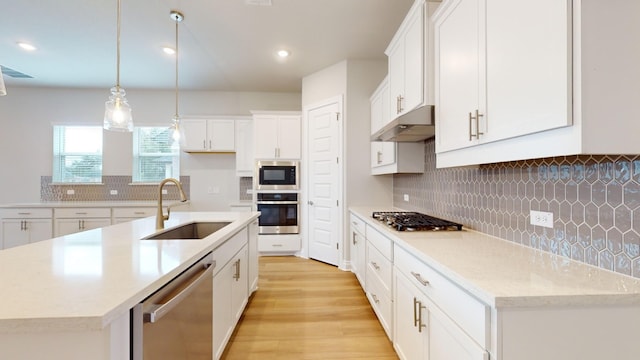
[160, 217]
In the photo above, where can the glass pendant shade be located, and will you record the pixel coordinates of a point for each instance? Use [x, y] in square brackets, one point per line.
[117, 112]
[3, 90]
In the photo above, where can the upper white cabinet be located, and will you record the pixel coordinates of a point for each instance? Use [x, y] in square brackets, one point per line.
[244, 147]
[389, 157]
[518, 80]
[410, 64]
[276, 134]
[208, 135]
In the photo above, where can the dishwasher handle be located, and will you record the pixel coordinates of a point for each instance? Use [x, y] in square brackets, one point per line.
[157, 311]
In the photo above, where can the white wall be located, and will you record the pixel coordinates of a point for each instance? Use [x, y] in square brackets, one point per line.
[26, 135]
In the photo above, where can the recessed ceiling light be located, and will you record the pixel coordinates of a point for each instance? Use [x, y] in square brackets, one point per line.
[26, 46]
[283, 53]
[168, 50]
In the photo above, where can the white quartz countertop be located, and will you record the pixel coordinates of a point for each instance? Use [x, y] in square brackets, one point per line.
[506, 274]
[85, 280]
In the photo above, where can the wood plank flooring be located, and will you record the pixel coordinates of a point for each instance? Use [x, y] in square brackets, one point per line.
[305, 309]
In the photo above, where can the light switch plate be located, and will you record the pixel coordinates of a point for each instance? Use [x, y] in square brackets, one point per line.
[406, 197]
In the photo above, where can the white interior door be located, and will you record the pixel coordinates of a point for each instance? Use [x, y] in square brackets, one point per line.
[325, 189]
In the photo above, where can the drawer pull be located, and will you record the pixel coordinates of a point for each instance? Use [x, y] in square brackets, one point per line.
[139, 212]
[375, 298]
[375, 265]
[81, 213]
[420, 279]
[24, 213]
[277, 245]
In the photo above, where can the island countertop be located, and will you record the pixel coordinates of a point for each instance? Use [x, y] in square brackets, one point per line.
[85, 280]
[506, 274]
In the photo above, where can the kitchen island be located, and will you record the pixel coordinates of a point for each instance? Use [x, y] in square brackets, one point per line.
[465, 295]
[69, 297]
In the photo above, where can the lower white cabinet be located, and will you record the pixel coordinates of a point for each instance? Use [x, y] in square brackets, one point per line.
[253, 256]
[230, 288]
[279, 243]
[121, 215]
[358, 249]
[24, 226]
[73, 220]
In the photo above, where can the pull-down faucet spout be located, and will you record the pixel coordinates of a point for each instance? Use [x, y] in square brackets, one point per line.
[160, 217]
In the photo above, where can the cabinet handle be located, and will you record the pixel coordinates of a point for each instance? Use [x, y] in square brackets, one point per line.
[236, 274]
[415, 312]
[139, 212]
[400, 108]
[81, 213]
[204, 144]
[375, 265]
[375, 298]
[26, 223]
[477, 120]
[354, 239]
[420, 279]
[22, 225]
[210, 147]
[379, 157]
[421, 325]
[24, 213]
[277, 245]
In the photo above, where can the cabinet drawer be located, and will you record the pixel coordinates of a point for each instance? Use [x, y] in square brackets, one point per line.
[379, 266]
[225, 252]
[381, 242]
[26, 213]
[380, 299]
[465, 310]
[277, 243]
[358, 224]
[133, 212]
[78, 213]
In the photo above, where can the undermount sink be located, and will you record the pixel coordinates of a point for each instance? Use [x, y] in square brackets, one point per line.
[191, 231]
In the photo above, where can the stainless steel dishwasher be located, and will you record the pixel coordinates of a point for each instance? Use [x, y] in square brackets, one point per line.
[175, 322]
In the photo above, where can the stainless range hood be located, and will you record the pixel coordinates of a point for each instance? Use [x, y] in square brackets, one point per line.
[416, 125]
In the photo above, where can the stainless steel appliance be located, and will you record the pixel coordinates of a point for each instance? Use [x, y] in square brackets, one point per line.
[277, 175]
[176, 321]
[278, 213]
[414, 221]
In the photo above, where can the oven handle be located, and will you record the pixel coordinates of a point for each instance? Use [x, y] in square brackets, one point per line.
[159, 310]
[276, 202]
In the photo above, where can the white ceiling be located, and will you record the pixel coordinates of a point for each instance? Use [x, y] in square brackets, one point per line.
[225, 45]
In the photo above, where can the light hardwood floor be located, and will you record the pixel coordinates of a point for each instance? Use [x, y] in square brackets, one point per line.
[305, 309]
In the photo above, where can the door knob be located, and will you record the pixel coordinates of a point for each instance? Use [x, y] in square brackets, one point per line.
[310, 202]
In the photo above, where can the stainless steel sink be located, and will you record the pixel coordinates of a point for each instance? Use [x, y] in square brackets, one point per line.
[195, 230]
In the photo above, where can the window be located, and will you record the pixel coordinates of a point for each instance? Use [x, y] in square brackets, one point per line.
[155, 154]
[77, 154]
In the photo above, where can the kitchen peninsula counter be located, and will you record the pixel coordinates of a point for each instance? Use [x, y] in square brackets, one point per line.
[84, 282]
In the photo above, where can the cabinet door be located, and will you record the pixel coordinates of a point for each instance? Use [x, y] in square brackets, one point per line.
[71, 226]
[220, 134]
[265, 130]
[457, 74]
[414, 61]
[244, 148]
[253, 256]
[396, 79]
[13, 233]
[358, 255]
[240, 285]
[222, 315]
[289, 137]
[195, 134]
[528, 55]
[39, 229]
[410, 333]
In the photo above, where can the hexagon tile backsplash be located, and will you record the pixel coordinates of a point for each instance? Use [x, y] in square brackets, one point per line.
[595, 202]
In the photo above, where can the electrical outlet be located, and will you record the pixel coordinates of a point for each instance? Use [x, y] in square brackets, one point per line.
[113, 192]
[71, 192]
[406, 197]
[164, 192]
[541, 218]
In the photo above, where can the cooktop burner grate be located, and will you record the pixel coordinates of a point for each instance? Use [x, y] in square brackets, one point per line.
[414, 221]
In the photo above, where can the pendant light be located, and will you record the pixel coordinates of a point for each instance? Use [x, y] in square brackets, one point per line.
[117, 113]
[3, 90]
[178, 134]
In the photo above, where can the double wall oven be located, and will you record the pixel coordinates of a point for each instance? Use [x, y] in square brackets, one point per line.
[277, 184]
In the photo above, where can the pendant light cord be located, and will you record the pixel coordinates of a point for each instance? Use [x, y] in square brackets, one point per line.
[118, 48]
[177, 21]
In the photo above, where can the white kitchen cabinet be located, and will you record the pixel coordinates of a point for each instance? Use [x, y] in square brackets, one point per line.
[358, 249]
[230, 288]
[389, 157]
[72, 220]
[278, 244]
[244, 148]
[208, 135]
[253, 256]
[277, 135]
[481, 99]
[408, 62]
[121, 215]
[379, 265]
[24, 225]
[556, 87]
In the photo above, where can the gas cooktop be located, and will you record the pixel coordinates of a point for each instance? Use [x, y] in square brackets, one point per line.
[414, 221]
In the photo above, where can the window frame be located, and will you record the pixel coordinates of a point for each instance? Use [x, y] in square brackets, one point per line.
[137, 155]
[60, 154]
